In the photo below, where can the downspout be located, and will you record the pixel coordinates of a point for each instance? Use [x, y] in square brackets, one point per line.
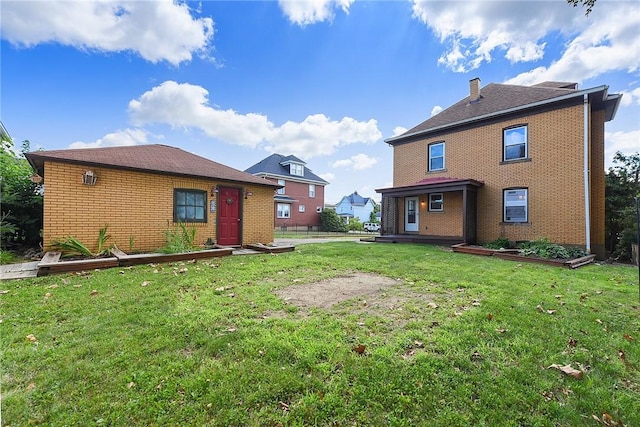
[587, 209]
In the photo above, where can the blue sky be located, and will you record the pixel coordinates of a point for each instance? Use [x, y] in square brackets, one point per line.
[325, 80]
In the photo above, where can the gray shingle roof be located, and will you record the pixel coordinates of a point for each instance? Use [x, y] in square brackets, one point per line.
[496, 99]
[155, 158]
[273, 166]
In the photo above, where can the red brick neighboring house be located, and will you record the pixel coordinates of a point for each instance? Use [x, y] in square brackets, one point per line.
[300, 200]
[521, 162]
[142, 191]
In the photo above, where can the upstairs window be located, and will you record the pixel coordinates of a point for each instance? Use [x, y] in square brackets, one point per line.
[281, 190]
[436, 156]
[189, 206]
[296, 169]
[516, 205]
[514, 142]
[312, 190]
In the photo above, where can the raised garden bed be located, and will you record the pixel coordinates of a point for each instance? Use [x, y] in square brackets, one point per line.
[137, 259]
[514, 255]
[270, 249]
[51, 263]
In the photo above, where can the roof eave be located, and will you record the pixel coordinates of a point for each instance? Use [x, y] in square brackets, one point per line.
[399, 138]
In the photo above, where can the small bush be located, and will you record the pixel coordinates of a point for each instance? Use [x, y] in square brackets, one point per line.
[180, 239]
[499, 243]
[330, 221]
[543, 248]
[73, 246]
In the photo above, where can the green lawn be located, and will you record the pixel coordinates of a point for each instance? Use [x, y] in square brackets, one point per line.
[459, 340]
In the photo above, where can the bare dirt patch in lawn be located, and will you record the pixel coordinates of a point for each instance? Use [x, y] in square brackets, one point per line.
[329, 292]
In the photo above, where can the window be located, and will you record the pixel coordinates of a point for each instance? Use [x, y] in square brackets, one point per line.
[296, 169]
[515, 205]
[515, 143]
[189, 206]
[281, 182]
[301, 208]
[284, 210]
[312, 190]
[436, 156]
[436, 202]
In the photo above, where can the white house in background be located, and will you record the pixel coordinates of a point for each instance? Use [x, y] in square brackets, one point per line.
[355, 206]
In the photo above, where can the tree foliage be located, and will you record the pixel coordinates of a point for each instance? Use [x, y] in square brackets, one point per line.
[21, 216]
[330, 221]
[588, 4]
[622, 186]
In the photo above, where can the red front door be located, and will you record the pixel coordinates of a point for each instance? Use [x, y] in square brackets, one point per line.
[229, 216]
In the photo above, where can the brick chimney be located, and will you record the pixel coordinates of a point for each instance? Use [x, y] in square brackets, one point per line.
[474, 89]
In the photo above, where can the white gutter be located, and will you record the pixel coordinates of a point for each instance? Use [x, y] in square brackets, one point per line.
[587, 217]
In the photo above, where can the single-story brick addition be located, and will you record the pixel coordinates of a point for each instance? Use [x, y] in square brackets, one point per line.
[142, 191]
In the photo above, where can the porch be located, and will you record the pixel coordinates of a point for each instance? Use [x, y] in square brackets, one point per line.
[433, 210]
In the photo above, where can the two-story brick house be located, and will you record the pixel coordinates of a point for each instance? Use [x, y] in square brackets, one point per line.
[521, 162]
[300, 199]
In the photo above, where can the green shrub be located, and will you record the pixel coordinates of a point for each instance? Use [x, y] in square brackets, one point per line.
[73, 246]
[179, 239]
[499, 243]
[543, 248]
[330, 221]
[354, 224]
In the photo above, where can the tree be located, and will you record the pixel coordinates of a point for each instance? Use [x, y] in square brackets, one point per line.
[589, 4]
[372, 216]
[622, 184]
[21, 213]
[330, 221]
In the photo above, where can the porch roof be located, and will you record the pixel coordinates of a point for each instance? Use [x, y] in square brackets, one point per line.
[431, 185]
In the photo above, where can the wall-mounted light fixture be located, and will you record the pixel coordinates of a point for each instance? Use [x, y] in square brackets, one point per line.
[214, 190]
[423, 203]
[89, 178]
[35, 178]
[247, 194]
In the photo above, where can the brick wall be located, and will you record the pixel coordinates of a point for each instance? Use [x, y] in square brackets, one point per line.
[300, 192]
[553, 175]
[136, 206]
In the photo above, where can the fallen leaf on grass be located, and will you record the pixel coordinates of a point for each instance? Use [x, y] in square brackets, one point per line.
[572, 342]
[501, 330]
[542, 309]
[284, 406]
[145, 283]
[628, 337]
[94, 293]
[490, 316]
[432, 305]
[608, 420]
[567, 369]
[32, 338]
[4, 292]
[52, 286]
[48, 295]
[599, 322]
[359, 349]
[131, 384]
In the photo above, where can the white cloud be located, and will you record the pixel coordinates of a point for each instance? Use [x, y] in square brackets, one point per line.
[156, 30]
[436, 110]
[186, 105]
[625, 142]
[327, 176]
[631, 97]
[358, 162]
[305, 12]
[473, 32]
[399, 130]
[115, 139]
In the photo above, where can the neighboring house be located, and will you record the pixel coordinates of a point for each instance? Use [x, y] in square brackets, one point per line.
[355, 206]
[521, 162]
[300, 199]
[142, 191]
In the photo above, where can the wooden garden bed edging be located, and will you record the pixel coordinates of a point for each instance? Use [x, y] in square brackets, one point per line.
[126, 260]
[513, 255]
[52, 264]
[270, 249]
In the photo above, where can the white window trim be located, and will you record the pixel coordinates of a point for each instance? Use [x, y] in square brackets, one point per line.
[283, 183]
[301, 208]
[506, 144]
[312, 191]
[285, 208]
[441, 200]
[296, 169]
[430, 157]
[523, 200]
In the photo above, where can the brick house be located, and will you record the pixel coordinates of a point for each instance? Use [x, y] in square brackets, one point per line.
[521, 162]
[355, 206]
[143, 191]
[300, 199]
